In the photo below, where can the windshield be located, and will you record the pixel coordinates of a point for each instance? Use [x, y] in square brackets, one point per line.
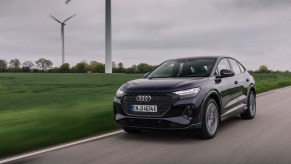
[184, 68]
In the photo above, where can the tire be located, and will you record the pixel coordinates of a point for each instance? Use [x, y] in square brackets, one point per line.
[210, 119]
[131, 130]
[250, 113]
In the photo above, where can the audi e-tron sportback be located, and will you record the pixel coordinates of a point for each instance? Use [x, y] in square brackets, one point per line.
[187, 93]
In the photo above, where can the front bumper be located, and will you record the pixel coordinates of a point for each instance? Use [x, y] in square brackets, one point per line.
[155, 123]
[183, 114]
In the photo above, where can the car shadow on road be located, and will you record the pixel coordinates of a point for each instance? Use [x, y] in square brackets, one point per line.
[178, 136]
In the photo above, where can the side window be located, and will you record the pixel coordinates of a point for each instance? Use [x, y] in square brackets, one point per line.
[242, 69]
[235, 66]
[223, 64]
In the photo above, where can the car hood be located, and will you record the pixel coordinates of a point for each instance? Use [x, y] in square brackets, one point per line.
[161, 84]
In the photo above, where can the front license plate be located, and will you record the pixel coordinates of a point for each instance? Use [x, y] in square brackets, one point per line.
[144, 108]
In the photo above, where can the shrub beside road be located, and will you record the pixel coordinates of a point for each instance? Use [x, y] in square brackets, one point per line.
[40, 110]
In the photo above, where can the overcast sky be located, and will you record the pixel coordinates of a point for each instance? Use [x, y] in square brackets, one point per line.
[255, 32]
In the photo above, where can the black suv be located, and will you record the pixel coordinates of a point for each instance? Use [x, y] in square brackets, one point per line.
[186, 93]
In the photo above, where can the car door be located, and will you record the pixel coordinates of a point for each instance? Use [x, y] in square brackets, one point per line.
[240, 92]
[245, 84]
[226, 87]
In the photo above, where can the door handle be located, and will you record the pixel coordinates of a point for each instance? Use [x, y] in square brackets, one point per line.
[235, 82]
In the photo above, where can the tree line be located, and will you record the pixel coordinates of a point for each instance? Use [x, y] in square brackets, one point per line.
[45, 65]
[265, 69]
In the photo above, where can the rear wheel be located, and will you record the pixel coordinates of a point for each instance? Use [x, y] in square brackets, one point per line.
[251, 110]
[210, 119]
[131, 130]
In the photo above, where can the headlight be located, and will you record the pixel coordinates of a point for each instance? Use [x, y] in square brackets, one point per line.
[187, 93]
[119, 93]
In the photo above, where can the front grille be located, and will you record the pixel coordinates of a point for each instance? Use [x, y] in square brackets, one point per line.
[162, 101]
[148, 123]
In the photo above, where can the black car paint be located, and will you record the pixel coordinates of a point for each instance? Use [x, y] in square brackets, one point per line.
[161, 84]
[230, 93]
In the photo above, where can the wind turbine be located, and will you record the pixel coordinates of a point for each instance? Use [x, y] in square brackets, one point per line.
[63, 34]
[108, 40]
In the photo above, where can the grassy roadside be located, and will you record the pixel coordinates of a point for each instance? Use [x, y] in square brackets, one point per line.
[270, 81]
[39, 110]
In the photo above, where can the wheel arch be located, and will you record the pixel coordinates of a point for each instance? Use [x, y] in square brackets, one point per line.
[214, 94]
[252, 87]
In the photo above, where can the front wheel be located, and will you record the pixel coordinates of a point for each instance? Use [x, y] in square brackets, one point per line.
[210, 119]
[251, 110]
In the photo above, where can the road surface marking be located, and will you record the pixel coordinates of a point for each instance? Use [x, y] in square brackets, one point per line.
[59, 147]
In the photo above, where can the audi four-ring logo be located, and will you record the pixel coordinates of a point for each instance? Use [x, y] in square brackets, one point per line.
[143, 98]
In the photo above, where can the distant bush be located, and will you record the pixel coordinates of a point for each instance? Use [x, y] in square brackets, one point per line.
[14, 65]
[263, 69]
[81, 67]
[44, 64]
[65, 68]
[132, 69]
[54, 70]
[144, 68]
[13, 70]
[3, 65]
[27, 66]
[100, 68]
[36, 70]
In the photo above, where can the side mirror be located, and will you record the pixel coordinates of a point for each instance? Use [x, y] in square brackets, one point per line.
[146, 74]
[226, 73]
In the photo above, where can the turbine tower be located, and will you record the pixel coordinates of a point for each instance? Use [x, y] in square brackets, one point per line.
[108, 40]
[63, 34]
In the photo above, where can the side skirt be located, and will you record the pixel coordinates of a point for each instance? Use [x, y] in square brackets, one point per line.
[234, 111]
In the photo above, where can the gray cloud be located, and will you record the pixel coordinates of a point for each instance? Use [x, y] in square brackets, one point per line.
[260, 4]
[253, 31]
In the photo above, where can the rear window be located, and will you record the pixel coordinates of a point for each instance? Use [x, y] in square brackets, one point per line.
[242, 69]
[235, 66]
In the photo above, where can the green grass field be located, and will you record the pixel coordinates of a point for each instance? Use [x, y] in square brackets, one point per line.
[40, 110]
[269, 81]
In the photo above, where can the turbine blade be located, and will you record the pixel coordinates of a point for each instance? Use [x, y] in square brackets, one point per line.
[67, 1]
[69, 18]
[55, 19]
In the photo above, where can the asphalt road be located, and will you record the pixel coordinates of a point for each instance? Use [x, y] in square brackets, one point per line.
[265, 139]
